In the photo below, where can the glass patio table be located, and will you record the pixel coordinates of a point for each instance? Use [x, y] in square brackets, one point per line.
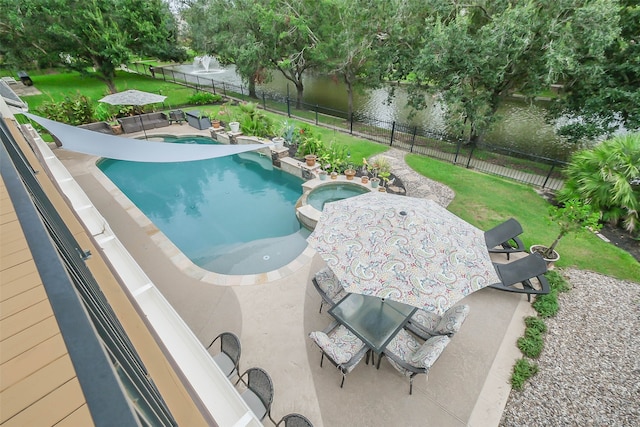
[374, 320]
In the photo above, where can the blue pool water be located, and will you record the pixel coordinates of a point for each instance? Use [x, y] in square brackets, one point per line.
[230, 215]
[333, 192]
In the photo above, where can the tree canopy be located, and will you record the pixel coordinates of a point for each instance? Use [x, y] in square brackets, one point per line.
[602, 95]
[88, 34]
[473, 56]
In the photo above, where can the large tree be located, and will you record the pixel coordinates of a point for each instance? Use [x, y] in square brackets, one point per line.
[474, 55]
[87, 34]
[257, 36]
[229, 36]
[347, 32]
[601, 96]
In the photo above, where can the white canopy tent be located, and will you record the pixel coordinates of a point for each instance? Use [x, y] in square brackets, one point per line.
[135, 150]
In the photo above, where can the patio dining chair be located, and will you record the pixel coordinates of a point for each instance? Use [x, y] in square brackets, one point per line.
[328, 286]
[425, 324]
[410, 357]
[343, 349]
[294, 420]
[503, 238]
[517, 276]
[258, 394]
[228, 360]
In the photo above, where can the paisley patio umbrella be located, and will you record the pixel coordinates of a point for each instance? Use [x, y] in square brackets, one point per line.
[402, 248]
[136, 98]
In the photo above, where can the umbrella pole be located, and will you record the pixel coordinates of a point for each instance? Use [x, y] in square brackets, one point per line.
[142, 124]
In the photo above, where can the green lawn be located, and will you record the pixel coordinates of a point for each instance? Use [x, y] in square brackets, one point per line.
[486, 200]
[482, 200]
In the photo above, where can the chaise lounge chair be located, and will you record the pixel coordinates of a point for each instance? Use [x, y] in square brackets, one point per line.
[504, 239]
[521, 272]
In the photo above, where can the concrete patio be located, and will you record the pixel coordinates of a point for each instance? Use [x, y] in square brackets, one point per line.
[468, 385]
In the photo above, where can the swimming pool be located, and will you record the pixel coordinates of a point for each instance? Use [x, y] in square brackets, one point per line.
[229, 215]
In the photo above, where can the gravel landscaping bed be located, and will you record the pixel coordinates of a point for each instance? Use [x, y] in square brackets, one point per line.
[589, 370]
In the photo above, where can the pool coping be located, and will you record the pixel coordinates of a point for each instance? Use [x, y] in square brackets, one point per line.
[177, 257]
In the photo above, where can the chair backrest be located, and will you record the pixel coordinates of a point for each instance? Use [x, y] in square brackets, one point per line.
[230, 345]
[327, 282]
[502, 232]
[294, 420]
[259, 382]
[522, 269]
[452, 320]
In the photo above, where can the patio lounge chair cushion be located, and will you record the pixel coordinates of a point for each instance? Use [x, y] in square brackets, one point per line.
[342, 345]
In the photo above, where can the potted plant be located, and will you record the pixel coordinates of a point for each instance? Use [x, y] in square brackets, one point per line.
[364, 178]
[384, 176]
[574, 216]
[116, 127]
[350, 172]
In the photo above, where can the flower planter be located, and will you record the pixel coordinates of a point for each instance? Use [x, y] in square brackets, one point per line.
[116, 129]
[350, 173]
[364, 179]
[215, 124]
[310, 159]
[540, 249]
[322, 175]
[234, 126]
[382, 189]
[334, 175]
[279, 141]
[197, 121]
[374, 182]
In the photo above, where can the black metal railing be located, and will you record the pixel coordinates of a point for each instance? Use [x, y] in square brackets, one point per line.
[523, 167]
[77, 280]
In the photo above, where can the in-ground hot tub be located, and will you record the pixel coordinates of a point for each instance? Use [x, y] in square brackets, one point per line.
[309, 206]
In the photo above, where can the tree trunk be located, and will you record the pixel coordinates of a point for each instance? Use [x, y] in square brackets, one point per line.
[111, 85]
[252, 89]
[299, 91]
[347, 82]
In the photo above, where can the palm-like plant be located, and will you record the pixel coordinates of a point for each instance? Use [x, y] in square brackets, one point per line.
[608, 178]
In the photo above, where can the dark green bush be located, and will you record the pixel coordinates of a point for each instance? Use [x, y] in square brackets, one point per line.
[547, 305]
[536, 324]
[76, 110]
[557, 281]
[204, 98]
[522, 371]
[531, 344]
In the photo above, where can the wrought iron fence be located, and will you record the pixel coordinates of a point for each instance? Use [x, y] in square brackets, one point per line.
[523, 167]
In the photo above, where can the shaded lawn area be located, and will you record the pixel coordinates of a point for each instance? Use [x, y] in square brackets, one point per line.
[55, 87]
[486, 200]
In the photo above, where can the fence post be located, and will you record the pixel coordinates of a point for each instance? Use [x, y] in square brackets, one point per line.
[458, 146]
[393, 130]
[470, 154]
[546, 179]
[224, 89]
[213, 86]
[413, 138]
[264, 101]
[351, 123]
[288, 105]
[316, 114]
